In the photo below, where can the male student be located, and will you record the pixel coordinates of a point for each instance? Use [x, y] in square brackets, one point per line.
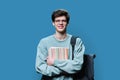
[54, 52]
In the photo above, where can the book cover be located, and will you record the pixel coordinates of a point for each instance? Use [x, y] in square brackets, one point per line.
[60, 53]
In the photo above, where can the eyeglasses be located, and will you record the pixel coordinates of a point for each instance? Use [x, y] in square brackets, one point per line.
[60, 21]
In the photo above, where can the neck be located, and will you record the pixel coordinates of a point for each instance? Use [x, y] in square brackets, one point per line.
[60, 36]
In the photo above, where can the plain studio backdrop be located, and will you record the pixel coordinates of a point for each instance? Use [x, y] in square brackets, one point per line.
[24, 22]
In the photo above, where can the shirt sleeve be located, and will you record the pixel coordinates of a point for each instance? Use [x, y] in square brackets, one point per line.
[71, 66]
[41, 64]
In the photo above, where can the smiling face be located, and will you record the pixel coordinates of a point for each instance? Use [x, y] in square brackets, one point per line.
[60, 24]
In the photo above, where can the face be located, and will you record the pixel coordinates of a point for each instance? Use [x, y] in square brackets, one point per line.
[60, 24]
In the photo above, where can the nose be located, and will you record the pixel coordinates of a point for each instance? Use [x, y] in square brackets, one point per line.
[61, 22]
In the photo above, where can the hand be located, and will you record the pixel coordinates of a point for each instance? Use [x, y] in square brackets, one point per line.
[50, 61]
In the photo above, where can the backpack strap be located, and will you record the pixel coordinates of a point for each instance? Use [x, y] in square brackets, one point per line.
[73, 42]
[87, 71]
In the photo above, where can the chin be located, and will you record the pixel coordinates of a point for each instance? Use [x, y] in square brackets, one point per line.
[61, 31]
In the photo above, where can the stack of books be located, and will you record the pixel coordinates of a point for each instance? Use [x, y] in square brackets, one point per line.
[60, 53]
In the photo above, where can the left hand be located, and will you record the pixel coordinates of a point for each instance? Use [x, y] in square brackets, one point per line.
[50, 61]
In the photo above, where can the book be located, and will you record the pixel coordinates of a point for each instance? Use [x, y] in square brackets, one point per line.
[60, 53]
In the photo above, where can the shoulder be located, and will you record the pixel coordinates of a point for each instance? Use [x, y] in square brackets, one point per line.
[45, 39]
[78, 39]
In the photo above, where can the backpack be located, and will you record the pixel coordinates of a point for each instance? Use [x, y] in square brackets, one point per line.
[87, 70]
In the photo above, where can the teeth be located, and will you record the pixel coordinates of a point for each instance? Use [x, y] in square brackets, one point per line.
[60, 27]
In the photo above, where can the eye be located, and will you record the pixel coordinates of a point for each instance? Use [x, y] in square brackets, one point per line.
[57, 20]
[60, 20]
[64, 20]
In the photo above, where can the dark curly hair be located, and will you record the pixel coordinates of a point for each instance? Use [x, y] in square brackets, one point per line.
[60, 12]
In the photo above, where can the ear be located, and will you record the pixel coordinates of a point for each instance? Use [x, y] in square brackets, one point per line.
[53, 24]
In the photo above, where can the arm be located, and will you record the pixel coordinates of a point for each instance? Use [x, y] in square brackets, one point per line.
[71, 66]
[41, 64]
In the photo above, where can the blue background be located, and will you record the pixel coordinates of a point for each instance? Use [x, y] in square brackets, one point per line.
[24, 22]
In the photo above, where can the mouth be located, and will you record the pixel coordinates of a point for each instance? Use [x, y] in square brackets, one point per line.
[60, 27]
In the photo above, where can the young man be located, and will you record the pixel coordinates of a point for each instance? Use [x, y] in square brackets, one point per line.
[54, 53]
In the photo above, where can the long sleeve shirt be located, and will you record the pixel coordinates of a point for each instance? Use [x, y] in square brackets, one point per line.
[69, 66]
